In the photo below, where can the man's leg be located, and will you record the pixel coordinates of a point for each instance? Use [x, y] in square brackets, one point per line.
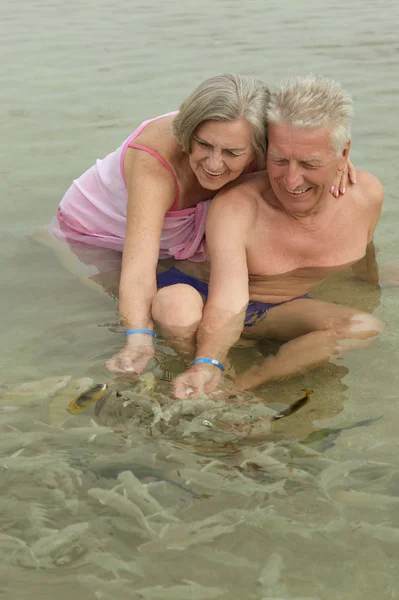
[314, 332]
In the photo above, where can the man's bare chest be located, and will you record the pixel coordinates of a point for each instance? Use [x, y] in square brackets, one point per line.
[278, 249]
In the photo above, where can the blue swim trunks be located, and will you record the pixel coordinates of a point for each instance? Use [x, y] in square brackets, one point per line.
[255, 310]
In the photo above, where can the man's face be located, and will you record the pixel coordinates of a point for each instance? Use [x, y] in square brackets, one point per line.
[302, 164]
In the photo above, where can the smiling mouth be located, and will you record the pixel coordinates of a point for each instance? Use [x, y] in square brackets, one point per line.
[298, 192]
[212, 173]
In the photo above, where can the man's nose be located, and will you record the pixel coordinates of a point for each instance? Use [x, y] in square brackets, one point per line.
[293, 176]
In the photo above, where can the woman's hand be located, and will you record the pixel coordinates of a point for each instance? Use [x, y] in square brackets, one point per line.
[341, 179]
[131, 360]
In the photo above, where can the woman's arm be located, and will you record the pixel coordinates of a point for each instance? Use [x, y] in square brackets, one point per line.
[151, 193]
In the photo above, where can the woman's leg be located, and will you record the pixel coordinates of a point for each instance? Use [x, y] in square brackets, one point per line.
[177, 309]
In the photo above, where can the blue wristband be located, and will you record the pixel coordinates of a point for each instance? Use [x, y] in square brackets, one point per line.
[211, 361]
[149, 331]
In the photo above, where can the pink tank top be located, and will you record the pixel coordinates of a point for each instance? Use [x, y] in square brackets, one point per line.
[93, 210]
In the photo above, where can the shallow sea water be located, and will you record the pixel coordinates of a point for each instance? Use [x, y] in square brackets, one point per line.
[164, 506]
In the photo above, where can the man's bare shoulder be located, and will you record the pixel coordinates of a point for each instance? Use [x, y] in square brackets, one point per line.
[235, 209]
[368, 194]
[242, 195]
[370, 188]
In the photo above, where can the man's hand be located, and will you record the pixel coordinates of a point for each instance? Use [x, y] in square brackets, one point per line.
[131, 360]
[197, 380]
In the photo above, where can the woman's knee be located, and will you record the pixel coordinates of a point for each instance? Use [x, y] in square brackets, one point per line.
[178, 305]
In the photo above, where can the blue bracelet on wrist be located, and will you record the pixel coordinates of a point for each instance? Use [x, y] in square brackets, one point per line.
[211, 361]
[148, 331]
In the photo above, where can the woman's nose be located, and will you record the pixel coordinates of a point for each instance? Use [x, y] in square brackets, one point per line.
[215, 162]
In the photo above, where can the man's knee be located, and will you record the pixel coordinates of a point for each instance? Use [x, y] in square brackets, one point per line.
[364, 325]
[356, 325]
[178, 305]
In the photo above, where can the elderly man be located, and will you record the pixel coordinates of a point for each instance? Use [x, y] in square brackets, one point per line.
[274, 236]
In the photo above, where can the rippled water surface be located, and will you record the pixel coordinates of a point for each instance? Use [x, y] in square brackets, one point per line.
[163, 506]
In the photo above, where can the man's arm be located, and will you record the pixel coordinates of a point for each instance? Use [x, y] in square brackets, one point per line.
[229, 222]
[366, 268]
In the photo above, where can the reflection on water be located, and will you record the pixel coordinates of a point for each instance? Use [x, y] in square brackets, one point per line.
[149, 501]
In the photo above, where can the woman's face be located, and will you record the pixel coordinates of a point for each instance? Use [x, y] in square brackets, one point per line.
[221, 151]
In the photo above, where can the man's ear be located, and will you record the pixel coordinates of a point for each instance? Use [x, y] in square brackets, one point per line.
[345, 155]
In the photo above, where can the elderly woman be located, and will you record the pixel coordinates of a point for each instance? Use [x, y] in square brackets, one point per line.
[150, 197]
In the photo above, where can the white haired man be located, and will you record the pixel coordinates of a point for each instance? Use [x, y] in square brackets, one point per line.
[274, 236]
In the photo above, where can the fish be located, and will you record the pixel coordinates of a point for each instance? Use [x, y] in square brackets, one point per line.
[95, 393]
[140, 472]
[98, 391]
[88, 397]
[168, 376]
[294, 406]
[323, 439]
